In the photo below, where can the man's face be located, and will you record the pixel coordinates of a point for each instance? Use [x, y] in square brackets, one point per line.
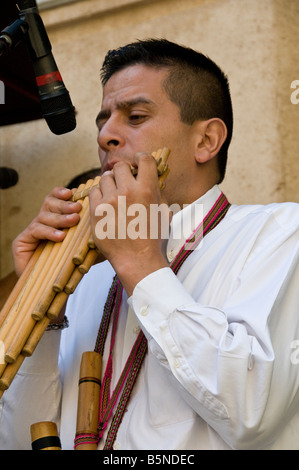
[137, 116]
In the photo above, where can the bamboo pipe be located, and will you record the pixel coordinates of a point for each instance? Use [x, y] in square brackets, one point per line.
[20, 283]
[18, 313]
[88, 401]
[89, 261]
[10, 372]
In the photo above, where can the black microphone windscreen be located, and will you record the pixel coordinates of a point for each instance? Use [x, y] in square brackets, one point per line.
[59, 113]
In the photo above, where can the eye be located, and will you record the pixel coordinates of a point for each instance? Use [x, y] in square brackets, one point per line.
[137, 118]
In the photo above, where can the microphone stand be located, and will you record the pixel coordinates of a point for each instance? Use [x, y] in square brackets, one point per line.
[12, 35]
[29, 25]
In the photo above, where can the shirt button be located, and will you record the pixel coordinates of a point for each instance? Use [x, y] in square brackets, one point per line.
[170, 255]
[177, 363]
[136, 330]
[144, 311]
[117, 446]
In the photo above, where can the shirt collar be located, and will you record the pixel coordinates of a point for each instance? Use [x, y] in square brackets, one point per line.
[185, 221]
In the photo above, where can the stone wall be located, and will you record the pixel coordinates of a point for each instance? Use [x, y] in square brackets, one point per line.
[254, 41]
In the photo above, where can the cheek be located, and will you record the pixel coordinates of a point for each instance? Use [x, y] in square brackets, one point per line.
[101, 154]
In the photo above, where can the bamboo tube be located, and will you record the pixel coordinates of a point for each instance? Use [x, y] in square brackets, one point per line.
[82, 193]
[91, 243]
[88, 262]
[79, 272]
[2, 361]
[162, 179]
[82, 250]
[25, 322]
[17, 339]
[20, 283]
[66, 265]
[10, 372]
[2, 368]
[28, 291]
[41, 326]
[35, 336]
[57, 305]
[44, 436]
[88, 398]
[17, 331]
[73, 282]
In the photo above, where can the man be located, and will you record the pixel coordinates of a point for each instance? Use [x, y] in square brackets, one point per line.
[220, 318]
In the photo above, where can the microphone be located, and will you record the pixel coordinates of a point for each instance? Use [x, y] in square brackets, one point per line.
[8, 177]
[55, 100]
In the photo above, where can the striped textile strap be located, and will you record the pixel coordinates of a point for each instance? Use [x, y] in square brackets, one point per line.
[216, 214]
[132, 367]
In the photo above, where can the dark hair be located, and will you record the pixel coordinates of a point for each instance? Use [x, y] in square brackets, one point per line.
[195, 83]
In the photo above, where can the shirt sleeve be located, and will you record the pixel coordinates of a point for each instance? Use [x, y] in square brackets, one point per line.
[33, 396]
[229, 361]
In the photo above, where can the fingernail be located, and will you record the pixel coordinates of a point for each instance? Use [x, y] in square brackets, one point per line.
[58, 232]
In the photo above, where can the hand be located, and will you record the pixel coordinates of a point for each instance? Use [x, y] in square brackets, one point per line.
[119, 193]
[56, 213]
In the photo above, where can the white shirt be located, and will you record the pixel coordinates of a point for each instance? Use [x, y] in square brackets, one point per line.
[222, 369]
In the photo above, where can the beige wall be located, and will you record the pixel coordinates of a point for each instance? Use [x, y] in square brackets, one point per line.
[254, 41]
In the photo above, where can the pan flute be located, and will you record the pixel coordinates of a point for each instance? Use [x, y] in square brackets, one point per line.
[52, 274]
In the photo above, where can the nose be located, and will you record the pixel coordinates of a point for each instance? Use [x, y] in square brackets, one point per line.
[110, 135]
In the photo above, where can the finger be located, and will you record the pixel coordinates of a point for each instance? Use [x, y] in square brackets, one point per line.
[59, 201]
[61, 193]
[38, 231]
[107, 184]
[59, 206]
[57, 221]
[95, 198]
[147, 168]
[123, 175]
[50, 225]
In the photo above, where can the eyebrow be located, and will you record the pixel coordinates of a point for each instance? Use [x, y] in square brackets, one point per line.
[123, 105]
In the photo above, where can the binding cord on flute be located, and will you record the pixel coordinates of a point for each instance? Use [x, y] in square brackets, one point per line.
[53, 273]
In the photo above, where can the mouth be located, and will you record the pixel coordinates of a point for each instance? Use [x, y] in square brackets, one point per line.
[110, 165]
[107, 167]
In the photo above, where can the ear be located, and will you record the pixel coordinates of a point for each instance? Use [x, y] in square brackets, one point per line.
[210, 136]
